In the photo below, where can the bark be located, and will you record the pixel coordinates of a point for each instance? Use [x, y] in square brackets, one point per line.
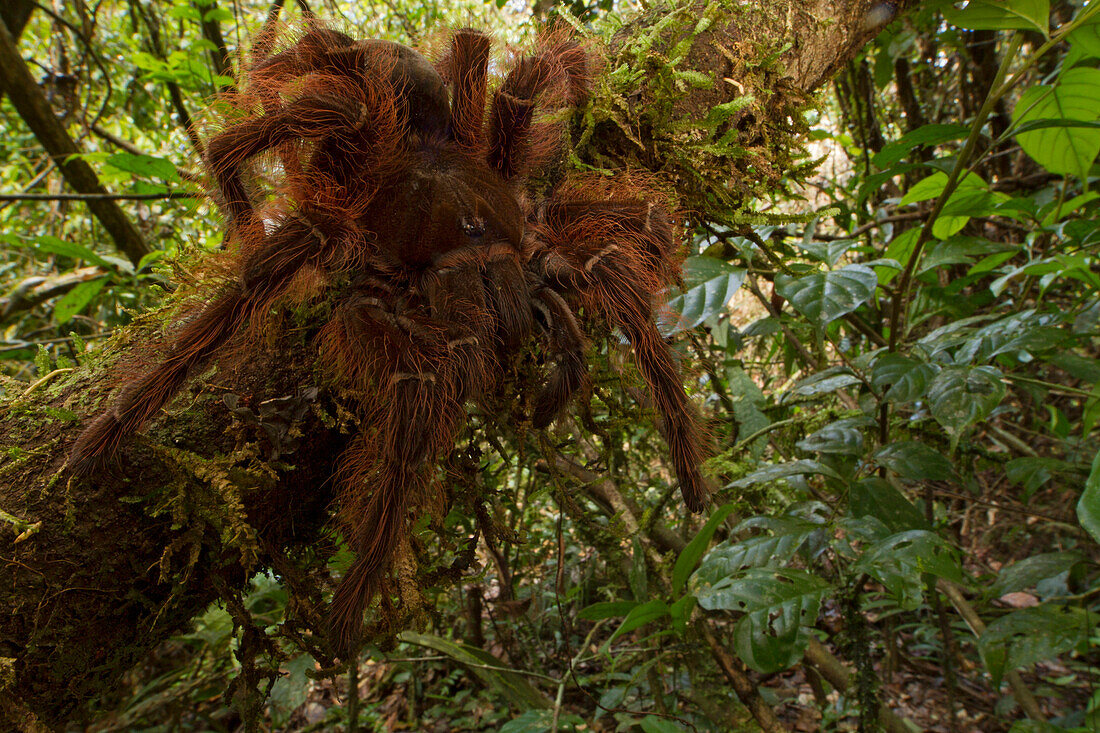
[27, 98]
[94, 573]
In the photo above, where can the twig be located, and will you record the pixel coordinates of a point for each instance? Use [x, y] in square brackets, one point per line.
[100, 196]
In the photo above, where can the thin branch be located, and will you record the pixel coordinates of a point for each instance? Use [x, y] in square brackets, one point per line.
[100, 196]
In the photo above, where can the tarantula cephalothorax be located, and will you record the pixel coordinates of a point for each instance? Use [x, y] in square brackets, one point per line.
[397, 184]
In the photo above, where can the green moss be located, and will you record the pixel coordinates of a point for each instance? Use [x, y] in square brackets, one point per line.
[721, 134]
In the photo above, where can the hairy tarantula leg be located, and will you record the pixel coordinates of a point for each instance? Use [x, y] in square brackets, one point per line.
[513, 108]
[140, 400]
[464, 69]
[309, 117]
[568, 343]
[422, 371]
[616, 257]
[198, 340]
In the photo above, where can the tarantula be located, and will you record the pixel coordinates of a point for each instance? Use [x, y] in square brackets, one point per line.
[408, 197]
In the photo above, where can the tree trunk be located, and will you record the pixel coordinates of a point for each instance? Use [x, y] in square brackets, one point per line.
[96, 572]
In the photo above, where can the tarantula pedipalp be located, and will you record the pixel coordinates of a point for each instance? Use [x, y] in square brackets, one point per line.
[408, 196]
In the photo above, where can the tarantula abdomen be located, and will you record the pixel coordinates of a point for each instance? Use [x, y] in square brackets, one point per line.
[403, 185]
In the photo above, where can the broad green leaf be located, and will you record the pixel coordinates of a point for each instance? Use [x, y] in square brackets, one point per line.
[1031, 472]
[1001, 15]
[779, 605]
[844, 437]
[711, 283]
[965, 203]
[690, 555]
[828, 252]
[492, 671]
[748, 401]
[1088, 507]
[825, 296]
[960, 396]
[54, 245]
[72, 302]
[926, 135]
[876, 497]
[915, 461]
[653, 724]
[1086, 37]
[1077, 366]
[904, 378]
[1067, 151]
[783, 470]
[641, 615]
[899, 561]
[732, 557]
[1032, 635]
[291, 690]
[146, 166]
[826, 381]
[1029, 572]
[933, 185]
[680, 612]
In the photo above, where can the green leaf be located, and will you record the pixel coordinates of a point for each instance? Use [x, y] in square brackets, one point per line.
[899, 561]
[1031, 571]
[1066, 151]
[680, 612]
[531, 721]
[653, 724]
[1088, 507]
[906, 377]
[1086, 37]
[641, 615]
[826, 381]
[779, 605]
[825, 296]
[145, 166]
[690, 555]
[925, 135]
[1032, 635]
[844, 437]
[827, 252]
[72, 302]
[915, 461]
[960, 396]
[53, 245]
[1031, 472]
[766, 551]
[712, 282]
[933, 185]
[512, 686]
[876, 497]
[291, 690]
[606, 609]
[997, 15]
[783, 470]
[748, 399]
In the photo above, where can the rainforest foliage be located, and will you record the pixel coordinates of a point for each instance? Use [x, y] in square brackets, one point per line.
[896, 349]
